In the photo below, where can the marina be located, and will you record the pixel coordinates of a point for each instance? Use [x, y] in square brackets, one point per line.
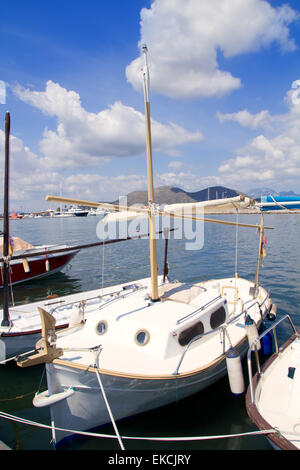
[224, 414]
[168, 323]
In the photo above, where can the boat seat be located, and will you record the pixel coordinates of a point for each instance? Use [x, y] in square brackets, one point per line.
[180, 292]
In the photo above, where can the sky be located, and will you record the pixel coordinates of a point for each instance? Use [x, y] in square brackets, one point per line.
[224, 94]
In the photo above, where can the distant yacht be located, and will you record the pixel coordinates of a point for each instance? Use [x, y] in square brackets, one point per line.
[78, 212]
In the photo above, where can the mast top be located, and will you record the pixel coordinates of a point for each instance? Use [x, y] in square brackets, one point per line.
[146, 78]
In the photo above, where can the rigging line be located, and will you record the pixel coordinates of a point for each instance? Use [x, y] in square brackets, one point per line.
[11, 289]
[236, 259]
[102, 266]
[97, 353]
[282, 207]
[109, 436]
[236, 242]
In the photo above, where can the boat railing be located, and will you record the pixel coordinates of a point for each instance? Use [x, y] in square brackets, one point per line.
[254, 348]
[197, 310]
[222, 327]
[112, 296]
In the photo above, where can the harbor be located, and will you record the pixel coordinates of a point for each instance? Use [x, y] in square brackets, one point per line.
[225, 414]
[167, 319]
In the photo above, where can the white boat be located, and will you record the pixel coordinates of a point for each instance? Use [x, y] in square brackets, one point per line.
[97, 212]
[273, 396]
[62, 214]
[162, 342]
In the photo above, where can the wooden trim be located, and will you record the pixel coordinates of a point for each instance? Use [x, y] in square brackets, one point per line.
[184, 375]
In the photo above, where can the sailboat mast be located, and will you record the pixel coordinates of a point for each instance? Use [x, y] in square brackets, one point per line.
[5, 320]
[152, 240]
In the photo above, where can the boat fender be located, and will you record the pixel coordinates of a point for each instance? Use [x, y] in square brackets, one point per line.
[43, 399]
[267, 344]
[26, 265]
[2, 351]
[252, 333]
[271, 315]
[47, 264]
[77, 316]
[235, 371]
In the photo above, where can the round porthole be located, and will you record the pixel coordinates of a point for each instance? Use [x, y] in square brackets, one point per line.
[142, 337]
[101, 327]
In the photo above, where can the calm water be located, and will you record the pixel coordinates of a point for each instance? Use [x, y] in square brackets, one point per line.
[212, 412]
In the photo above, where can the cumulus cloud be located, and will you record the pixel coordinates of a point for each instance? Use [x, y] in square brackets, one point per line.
[187, 180]
[184, 42]
[30, 182]
[83, 138]
[246, 119]
[272, 156]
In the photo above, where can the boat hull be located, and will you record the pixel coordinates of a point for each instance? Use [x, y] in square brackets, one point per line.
[127, 396]
[37, 266]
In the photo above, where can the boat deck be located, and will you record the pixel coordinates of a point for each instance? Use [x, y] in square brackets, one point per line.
[279, 393]
[163, 322]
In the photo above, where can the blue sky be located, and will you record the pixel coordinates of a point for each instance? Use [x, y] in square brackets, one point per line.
[223, 108]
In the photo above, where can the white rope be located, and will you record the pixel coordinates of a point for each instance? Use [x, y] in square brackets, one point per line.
[106, 401]
[102, 266]
[236, 241]
[281, 207]
[109, 436]
[15, 357]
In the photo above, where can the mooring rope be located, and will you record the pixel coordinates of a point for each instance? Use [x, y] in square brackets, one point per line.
[96, 365]
[281, 207]
[140, 438]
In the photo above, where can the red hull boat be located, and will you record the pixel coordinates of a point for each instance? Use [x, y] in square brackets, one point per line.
[37, 261]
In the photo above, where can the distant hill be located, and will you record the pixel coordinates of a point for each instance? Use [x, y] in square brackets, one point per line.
[256, 193]
[172, 195]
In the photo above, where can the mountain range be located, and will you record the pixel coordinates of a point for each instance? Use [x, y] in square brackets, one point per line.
[172, 195]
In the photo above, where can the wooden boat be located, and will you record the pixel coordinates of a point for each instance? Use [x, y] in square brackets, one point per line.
[34, 262]
[160, 342]
[273, 396]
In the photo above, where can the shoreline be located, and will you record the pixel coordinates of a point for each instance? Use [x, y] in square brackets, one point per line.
[219, 212]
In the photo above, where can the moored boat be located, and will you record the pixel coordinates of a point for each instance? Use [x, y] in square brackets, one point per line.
[34, 262]
[272, 399]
